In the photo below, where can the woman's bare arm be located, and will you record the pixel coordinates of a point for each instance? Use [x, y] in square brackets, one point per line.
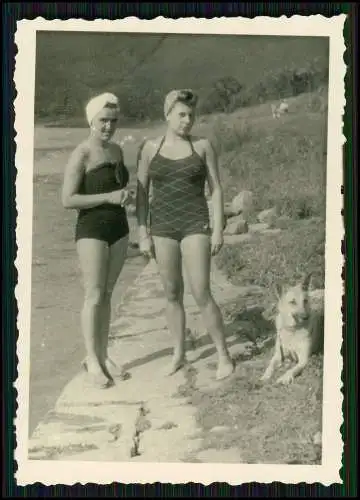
[122, 172]
[142, 189]
[73, 176]
[215, 186]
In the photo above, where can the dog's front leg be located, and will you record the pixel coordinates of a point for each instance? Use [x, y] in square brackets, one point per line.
[290, 375]
[275, 362]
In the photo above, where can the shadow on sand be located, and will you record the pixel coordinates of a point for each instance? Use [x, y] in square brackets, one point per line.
[248, 326]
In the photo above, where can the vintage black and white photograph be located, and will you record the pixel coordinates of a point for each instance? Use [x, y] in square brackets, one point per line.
[179, 250]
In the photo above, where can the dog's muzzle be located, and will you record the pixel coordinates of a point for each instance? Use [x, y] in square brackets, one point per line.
[301, 318]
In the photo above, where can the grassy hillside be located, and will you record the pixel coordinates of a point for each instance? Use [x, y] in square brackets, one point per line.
[141, 68]
[283, 162]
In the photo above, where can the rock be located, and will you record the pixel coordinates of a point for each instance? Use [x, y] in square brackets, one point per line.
[267, 216]
[242, 203]
[236, 225]
[235, 219]
[271, 231]
[256, 228]
[228, 212]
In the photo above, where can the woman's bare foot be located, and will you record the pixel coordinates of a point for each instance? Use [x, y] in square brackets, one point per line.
[114, 369]
[95, 376]
[225, 368]
[176, 364]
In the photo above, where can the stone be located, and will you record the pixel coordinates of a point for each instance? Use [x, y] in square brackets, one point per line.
[271, 231]
[258, 228]
[228, 211]
[236, 225]
[267, 216]
[242, 203]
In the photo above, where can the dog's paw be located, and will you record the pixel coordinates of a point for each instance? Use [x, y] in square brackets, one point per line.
[285, 379]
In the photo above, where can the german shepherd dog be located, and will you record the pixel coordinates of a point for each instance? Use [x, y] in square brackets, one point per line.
[299, 329]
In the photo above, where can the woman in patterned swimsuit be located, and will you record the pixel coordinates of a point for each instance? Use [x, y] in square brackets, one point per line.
[177, 166]
[94, 182]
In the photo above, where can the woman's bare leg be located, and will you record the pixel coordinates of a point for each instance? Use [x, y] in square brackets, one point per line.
[196, 251]
[117, 257]
[93, 256]
[168, 258]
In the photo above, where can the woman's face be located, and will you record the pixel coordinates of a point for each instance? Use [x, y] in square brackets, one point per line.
[104, 123]
[181, 118]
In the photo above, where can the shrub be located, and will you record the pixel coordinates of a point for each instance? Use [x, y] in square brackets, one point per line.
[284, 82]
[219, 96]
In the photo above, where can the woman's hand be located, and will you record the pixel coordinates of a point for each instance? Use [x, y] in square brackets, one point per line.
[145, 246]
[217, 241]
[119, 197]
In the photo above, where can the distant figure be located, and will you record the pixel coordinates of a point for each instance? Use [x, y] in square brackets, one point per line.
[94, 184]
[282, 108]
[274, 111]
[177, 166]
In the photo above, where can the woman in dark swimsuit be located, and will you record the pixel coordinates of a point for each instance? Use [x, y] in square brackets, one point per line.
[94, 182]
[177, 167]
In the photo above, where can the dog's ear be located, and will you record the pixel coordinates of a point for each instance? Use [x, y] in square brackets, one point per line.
[306, 282]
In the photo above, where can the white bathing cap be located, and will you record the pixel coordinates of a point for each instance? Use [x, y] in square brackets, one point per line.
[96, 104]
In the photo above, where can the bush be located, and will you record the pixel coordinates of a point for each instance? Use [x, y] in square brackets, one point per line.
[285, 82]
[218, 98]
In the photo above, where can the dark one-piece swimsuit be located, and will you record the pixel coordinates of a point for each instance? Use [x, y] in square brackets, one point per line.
[179, 207]
[106, 222]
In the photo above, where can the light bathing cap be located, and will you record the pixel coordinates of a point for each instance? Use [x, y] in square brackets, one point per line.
[99, 102]
[187, 96]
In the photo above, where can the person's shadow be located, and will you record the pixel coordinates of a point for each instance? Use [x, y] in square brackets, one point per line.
[249, 326]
